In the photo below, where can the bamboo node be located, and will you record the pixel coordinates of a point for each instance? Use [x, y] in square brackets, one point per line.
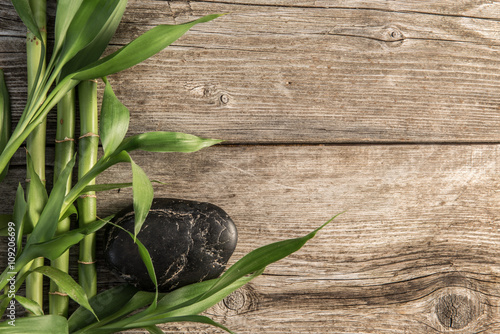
[89, 134]
[83, 262]
[58, 293]
[64, 140]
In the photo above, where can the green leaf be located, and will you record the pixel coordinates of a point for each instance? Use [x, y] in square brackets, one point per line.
[260, 258]
[66, 10]
[47, 224]
[71, 211]
[138, 50]
[30, 305]
[24, 11]
[4, 225]
[67, 284]
[166, 142]
[146, 258]
[37, 194]
[139, 300]
[96, 47]
[104, 305]
[5, 118]
[20, 207]
[143, 196]
[55, 247]
[86, 25]
[114, 120]
[107, 186]
[153, 330]
[188, 318]
[47, 324]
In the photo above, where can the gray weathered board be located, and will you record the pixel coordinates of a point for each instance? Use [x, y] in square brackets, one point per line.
[389, 110]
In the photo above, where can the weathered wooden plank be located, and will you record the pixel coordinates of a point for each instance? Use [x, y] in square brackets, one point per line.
[327, 72]
[420, 233]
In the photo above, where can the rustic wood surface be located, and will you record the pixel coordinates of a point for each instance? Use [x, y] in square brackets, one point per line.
[386, 109]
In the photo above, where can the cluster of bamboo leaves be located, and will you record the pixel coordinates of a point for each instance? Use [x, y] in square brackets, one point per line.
[83, 29]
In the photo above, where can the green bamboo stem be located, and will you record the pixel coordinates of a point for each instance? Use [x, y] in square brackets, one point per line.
[64, 151]
[5, 118]
[35, 142]
[87, 150]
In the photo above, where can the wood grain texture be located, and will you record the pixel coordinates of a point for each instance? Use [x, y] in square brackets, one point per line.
[303, 71]
[386, 109]
[418, 242]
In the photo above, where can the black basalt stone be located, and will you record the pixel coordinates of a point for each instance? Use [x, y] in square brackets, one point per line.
[188, 242]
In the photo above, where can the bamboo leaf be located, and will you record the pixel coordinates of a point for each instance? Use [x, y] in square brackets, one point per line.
[260, 258]
[188, 318]
[153, 330]
[19, 216]
[5, 118]
[91, 17]
[146, 258]
[30, 305]
[47, 224]
[107, 186]
[166, 142]
[138, 50]
[47, 324]
[66, 10]
[4, 224]
[96, 47]
[24, 11]
[104, 304]
[112, 186]
[37, 195]
[68, 285]
[143, 196]
[56, 246]
[114, 120]
[71, 211]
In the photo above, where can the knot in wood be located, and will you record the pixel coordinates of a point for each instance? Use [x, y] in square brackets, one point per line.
[224, 99]
[456, 311]
[235, 301]
[393, 34]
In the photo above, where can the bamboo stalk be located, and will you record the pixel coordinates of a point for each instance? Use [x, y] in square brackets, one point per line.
[87, 150]
[64, 151]
[5, 118]
[35, 143]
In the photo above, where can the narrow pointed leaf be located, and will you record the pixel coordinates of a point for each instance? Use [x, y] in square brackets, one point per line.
[112, 186]
[93, 51]
[166, 142]
[138, 50]
[55, 247]
[262, 257]
[67, 284]
[143, 196]
[188, 318]
[104, 305]
[114, 121]
[66, 10]
[24, 11]
[5, 118]
[19, 216]
[146, 258]
[47, 324]
[30, 305]
[4, 224]
[47, 224]
[37, 195]
[153, 330]
[71, 211]
[86, 25]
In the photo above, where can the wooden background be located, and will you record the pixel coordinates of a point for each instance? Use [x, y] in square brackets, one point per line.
[386, 109]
